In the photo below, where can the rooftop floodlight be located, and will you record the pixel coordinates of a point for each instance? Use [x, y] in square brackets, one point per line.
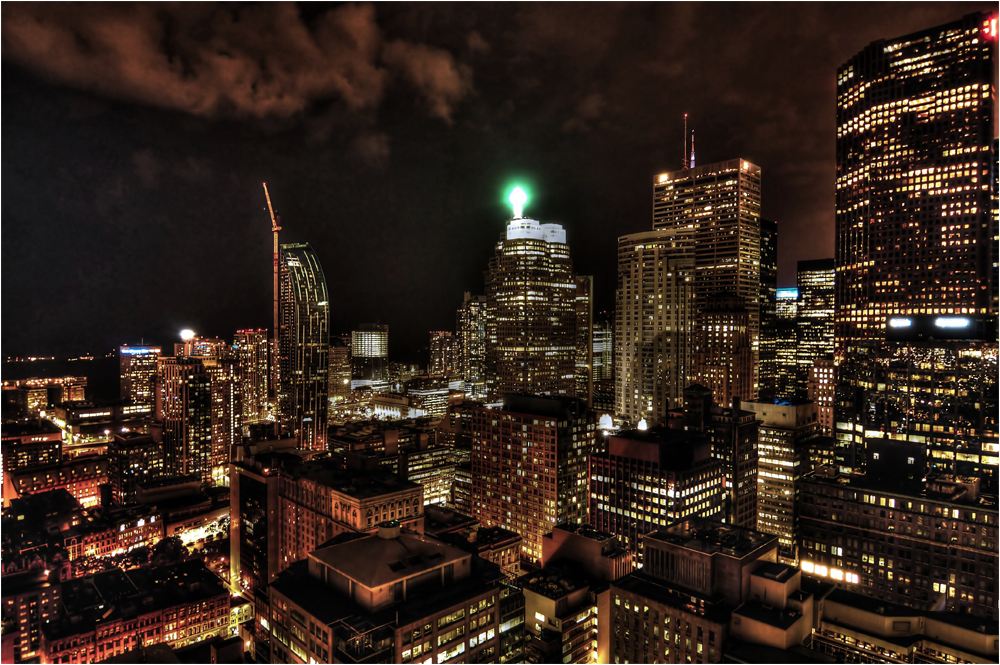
[518, 197]
[187, 335]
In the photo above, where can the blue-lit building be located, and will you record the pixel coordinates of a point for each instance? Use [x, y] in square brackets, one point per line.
[136, 372]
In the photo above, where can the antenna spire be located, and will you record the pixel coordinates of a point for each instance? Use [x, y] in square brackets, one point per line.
[692, 148]
[684, 150]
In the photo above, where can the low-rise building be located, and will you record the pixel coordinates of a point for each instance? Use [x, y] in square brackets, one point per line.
[320, 499]
[392, 596]
[677, 608]
[30, 444]
[926, 544]
[115, 611]
[857, 629]
[80, 476]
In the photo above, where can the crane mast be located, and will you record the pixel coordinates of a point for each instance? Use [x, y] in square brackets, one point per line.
[274, 229]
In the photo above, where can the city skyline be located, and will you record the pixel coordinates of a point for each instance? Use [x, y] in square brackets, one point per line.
[166, 190]
[725, 465]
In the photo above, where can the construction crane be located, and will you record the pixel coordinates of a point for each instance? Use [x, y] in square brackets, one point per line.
[274, 229]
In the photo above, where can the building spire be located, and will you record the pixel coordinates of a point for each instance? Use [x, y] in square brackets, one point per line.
[692, 148]
[684, 150]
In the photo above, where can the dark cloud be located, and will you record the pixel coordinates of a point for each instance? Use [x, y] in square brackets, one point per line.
[433, 72]
[372, 149]
[258, 60]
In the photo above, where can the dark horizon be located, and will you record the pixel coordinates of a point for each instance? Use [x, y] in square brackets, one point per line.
[133, 160]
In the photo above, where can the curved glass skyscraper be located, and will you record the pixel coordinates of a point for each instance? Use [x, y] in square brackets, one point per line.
[304, 341]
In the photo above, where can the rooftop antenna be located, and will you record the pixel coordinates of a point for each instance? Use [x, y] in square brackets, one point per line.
[692, 148]
[684, 150]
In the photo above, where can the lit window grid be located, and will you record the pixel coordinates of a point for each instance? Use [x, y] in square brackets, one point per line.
[902, 218]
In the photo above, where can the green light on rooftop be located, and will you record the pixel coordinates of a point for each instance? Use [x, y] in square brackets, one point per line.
[518, 197]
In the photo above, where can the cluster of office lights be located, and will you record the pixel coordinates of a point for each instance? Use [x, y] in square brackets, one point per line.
[833, 573]
[940, 322]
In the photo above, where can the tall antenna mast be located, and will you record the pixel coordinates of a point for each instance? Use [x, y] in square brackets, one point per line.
[692, 148]
[684, 150]
[274, 229]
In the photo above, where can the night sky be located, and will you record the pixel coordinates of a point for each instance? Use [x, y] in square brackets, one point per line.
[136, 138]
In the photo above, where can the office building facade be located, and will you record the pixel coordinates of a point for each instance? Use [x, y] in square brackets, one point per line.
[766, 358]
[654, 317]
[370, 355]
[137, 371]
[648, 479]
[530, 466]
[470, 328]
[186, 414]
[250, 351]
[304, 343]
[723, 360]
[719, 205]
[531, 340]
[814, 319]
[916, 239]
[786, 429]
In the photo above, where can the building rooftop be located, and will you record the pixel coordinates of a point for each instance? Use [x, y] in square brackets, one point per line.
[704, 535]
[329, 607]
[673, 449]
[586, 531]
[328, 473]
[782, 619]
[680, 598]
[553, 407]
[778, 572]
[114, 594]
[375, 561]
[885, 608]
[901, 486]
[30, 428]
[554, 582]
[738, 651]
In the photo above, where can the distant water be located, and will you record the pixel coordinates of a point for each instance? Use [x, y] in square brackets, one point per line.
[101, 373]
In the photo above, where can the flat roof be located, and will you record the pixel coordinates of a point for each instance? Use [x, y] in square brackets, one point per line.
[375, 561]
[708, 536]
[327, 472]
[779, 572]
[553, 582]
[772, 616]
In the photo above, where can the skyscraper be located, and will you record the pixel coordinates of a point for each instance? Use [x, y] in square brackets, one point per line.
[649, 479]
[531, 341]
[604, 348]
[137, 369]
[915, 237]
[584, 360]
[470, 327]
[814, 319]
[767, 363]
[304, 342]
[187, 417]
[915, 135]
[370, 355]
[719, 205]
[339, 376]
[723, 359]
[227, 414]
[786, 335]
[250, 350]
[786, 429]
[442, 348]
[541, 481]
[654, 313]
